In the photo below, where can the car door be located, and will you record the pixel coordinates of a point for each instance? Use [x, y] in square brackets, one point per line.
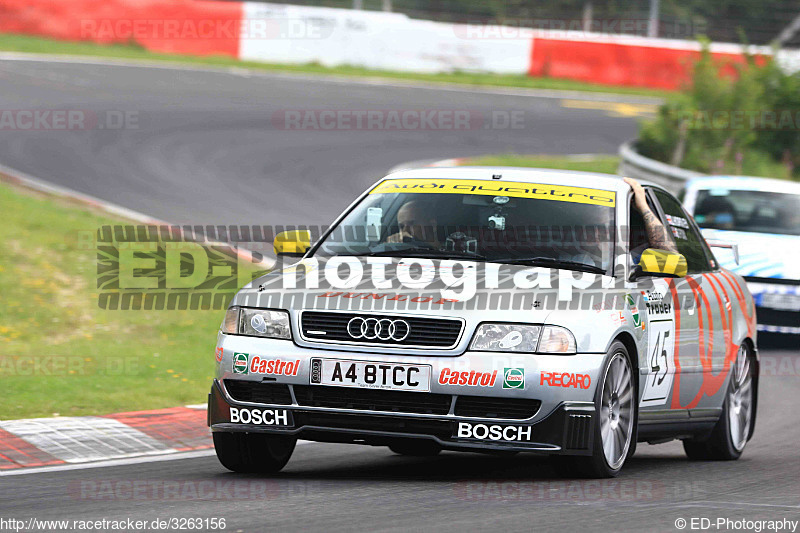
[702, 322]
[664, 317]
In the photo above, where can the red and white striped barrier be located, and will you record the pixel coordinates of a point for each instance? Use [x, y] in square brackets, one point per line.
[280, 33]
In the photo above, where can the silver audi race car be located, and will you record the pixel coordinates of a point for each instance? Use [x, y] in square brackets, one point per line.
[496, 310]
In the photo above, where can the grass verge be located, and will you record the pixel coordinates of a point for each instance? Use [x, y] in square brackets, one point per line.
[30, 44]
[588, 163]
[60, 353]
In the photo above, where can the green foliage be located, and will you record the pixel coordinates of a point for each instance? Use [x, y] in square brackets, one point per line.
[745, 124]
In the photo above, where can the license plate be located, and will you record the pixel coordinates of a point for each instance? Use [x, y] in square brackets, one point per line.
[784, 302]
[371, 375]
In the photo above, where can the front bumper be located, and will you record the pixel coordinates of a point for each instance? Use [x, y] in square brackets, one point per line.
[776, 305]
[568, 429]
[778, 321]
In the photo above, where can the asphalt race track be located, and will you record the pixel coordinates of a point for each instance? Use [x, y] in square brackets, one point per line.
[206, 150]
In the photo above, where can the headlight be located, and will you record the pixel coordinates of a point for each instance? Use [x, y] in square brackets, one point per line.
[257, 322]
[506, 338]
[230, 324]
[557, 340]
[523, 339]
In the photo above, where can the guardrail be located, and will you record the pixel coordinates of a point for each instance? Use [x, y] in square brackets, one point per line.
[637, 166]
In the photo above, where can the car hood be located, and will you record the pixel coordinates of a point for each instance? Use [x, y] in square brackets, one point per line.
[762, 255]
[270, 291]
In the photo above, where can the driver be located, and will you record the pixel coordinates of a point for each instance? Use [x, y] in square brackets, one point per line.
[417, 222]
[789, 215]
[657, 235]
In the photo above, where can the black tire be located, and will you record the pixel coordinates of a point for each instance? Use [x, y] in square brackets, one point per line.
[253, 452]
[720, 445]
[414, 448]
[596, 465]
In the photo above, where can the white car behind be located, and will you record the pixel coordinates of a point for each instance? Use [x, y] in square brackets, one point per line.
[762, 217]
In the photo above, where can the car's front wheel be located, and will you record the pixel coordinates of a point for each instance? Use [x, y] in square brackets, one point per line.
[615, 413]
[730, 435]
[253, 452]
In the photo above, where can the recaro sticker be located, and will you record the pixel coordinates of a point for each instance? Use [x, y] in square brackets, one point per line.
[538, 191]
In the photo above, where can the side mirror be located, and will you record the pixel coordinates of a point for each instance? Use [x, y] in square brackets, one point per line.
[292, 243]
[660, 263]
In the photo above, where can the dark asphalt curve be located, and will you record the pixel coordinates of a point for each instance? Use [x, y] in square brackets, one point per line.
[209, 147]
[329, 487]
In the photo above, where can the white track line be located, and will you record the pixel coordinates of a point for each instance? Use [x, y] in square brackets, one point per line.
[41, 185]
[114, 462]
[119, 462]
[334, 78]
[38, 184]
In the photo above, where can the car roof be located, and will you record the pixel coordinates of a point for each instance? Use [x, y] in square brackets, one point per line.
[747, 183]
[592, 180]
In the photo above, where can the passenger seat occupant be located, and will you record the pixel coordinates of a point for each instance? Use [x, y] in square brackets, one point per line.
[790, 217]
[657, 235]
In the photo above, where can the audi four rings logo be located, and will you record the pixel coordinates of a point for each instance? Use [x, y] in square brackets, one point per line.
[383, 329]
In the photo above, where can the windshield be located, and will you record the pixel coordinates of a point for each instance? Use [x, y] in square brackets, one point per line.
[483, 220]
[753, 211]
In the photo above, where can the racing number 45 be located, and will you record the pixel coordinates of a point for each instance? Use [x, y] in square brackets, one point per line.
[659, 382]
[655, 365]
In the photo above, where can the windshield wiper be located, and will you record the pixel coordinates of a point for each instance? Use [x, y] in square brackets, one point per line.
[421, 253]
[551, 261]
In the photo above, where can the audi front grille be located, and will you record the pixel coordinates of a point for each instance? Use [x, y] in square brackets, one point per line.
[256, 392]
[388, 330]
[372, 400]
